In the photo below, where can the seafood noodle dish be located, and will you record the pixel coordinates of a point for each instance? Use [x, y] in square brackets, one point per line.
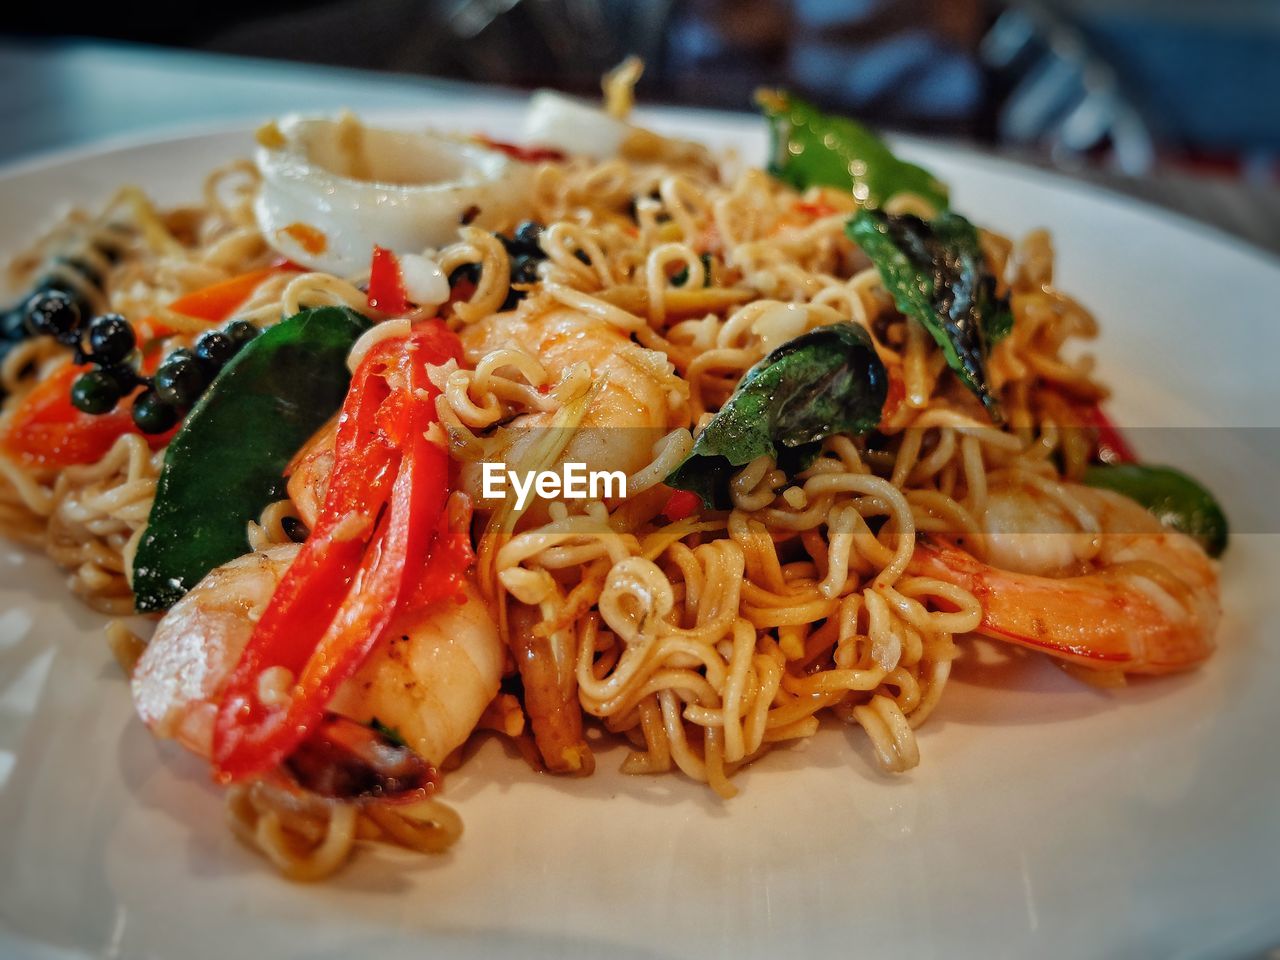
[398, 439]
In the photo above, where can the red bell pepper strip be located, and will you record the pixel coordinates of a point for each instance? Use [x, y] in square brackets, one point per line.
[374, 543]
[386, 286]
[1112, 447]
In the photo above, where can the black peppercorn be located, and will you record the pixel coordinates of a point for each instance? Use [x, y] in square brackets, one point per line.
[111, 339]
[240, 332]
[53, 313]
[215, 348]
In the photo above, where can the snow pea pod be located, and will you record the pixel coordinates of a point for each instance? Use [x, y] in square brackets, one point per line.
[1176, 499]
[226, 463]
[812, 148]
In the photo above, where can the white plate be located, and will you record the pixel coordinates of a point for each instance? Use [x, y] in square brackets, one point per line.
[1046, 817]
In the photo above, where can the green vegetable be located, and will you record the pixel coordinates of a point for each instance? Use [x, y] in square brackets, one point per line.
[390, 733]
[827, 381]
[1176, 499]
[226, 463]
[938, 276]
[811, 148]
[681, 278]
[95, 392]
[151, 414]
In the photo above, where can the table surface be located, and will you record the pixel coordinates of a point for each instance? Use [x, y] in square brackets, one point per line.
[55, 95]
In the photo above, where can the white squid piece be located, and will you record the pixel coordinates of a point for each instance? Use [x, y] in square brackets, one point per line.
[333, 188]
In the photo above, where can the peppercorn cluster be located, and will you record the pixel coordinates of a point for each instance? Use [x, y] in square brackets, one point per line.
[109, 343]
[14, 328]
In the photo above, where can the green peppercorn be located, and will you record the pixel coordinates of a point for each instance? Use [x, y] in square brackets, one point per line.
[95, 392]
[153, 415]
[180, 379]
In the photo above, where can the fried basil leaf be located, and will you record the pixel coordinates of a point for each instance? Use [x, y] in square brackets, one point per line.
[937, 275]
[827, 381]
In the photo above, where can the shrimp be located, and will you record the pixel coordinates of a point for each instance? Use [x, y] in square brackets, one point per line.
[1130, 596]
[430, 678]
[308, 472]
[631, 407]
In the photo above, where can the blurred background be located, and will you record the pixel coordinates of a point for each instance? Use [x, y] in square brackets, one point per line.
[1144, 94]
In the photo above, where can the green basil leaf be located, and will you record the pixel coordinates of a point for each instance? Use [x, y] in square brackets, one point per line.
[811, 148]
[827, 381]
[225, 464]
[1176, 499]
[937, 276]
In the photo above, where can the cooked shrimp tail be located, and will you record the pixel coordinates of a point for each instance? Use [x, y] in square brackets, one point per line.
[1146, 601]
[1104, 621]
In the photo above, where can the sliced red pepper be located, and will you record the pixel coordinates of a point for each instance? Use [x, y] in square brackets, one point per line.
[1112, 447]
[523, 154]
[379, 535]
[386, 286]
[683, 503]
